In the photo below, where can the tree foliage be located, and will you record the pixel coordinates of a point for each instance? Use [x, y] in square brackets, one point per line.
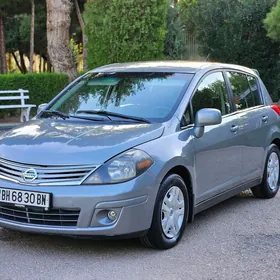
[232, 31]
[187, 10]
[272, 22]
[18, 32]
[17, 29]
[174, 45]
[12, 7]
[125, 30]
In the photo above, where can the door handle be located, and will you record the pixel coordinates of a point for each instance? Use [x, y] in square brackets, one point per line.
[264, 119]
[234, 128]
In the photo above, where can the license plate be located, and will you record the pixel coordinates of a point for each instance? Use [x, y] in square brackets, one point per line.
[25, 198]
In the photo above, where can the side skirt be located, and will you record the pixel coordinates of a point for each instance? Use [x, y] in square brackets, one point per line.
[225, 195]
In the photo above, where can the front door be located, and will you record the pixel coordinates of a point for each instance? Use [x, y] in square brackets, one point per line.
[218, 151]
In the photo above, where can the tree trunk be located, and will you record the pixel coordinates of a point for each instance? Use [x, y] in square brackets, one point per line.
[22, 62]
[44, 65]
[58, 24]
[85, 52]
[40, 64]
[85, 39]
[49, 65]
[17, 63]
[32, 26]
[3, 64]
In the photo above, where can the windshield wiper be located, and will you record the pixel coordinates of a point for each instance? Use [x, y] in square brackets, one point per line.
[55, 113]
[112, 114]
[64, 116]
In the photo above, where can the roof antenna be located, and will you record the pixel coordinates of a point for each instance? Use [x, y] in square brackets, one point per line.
[207, 57]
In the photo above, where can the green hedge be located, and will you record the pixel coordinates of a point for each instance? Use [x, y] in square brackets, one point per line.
[42, 87]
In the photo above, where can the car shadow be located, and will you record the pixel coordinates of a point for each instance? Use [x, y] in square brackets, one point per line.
[89, 246]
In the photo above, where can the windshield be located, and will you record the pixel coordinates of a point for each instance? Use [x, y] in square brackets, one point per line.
[153, 96]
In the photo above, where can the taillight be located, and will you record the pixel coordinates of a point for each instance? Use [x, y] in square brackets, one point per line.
[276, 109]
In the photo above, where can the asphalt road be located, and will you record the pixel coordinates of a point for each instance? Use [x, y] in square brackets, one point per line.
[237, 239]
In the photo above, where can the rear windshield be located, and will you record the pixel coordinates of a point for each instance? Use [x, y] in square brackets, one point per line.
[152, 96]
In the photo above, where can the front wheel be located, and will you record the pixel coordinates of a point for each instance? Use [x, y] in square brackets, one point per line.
[271, 179]
[170, 214]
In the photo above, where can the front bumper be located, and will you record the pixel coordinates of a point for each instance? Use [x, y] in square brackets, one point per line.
[133, 202]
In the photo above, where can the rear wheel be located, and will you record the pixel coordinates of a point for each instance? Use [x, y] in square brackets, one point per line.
[271, 179]
[170, 214]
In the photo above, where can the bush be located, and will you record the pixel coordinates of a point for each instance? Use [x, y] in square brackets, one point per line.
[125, 30]
[42, 86]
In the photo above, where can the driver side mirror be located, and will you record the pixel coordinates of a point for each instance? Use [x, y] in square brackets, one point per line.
[206, 117]
[41, 107]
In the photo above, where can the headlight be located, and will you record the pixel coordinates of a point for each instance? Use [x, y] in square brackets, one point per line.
[122, 168]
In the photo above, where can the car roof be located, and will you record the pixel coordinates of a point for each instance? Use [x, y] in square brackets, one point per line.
[168, 66]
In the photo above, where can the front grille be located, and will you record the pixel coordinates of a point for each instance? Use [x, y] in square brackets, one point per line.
[46, 175]
[27, 215]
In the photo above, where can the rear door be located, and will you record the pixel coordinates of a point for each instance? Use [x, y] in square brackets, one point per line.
[255, 121]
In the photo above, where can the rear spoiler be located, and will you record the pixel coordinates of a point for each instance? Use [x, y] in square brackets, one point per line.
[256, 71]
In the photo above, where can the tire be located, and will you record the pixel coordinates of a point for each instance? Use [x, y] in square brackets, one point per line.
[269, 187]
[158, 237]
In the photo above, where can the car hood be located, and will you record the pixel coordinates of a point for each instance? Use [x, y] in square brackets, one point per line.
[49, 142]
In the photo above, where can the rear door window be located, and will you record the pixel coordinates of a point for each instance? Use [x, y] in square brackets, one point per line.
[245, 90]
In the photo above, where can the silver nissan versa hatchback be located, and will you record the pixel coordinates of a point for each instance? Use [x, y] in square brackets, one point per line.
[137, 149]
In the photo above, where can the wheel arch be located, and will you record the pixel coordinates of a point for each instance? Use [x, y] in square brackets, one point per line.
[183, 172]
[276, 141]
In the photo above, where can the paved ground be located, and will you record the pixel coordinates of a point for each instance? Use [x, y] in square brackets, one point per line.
[238, 239]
